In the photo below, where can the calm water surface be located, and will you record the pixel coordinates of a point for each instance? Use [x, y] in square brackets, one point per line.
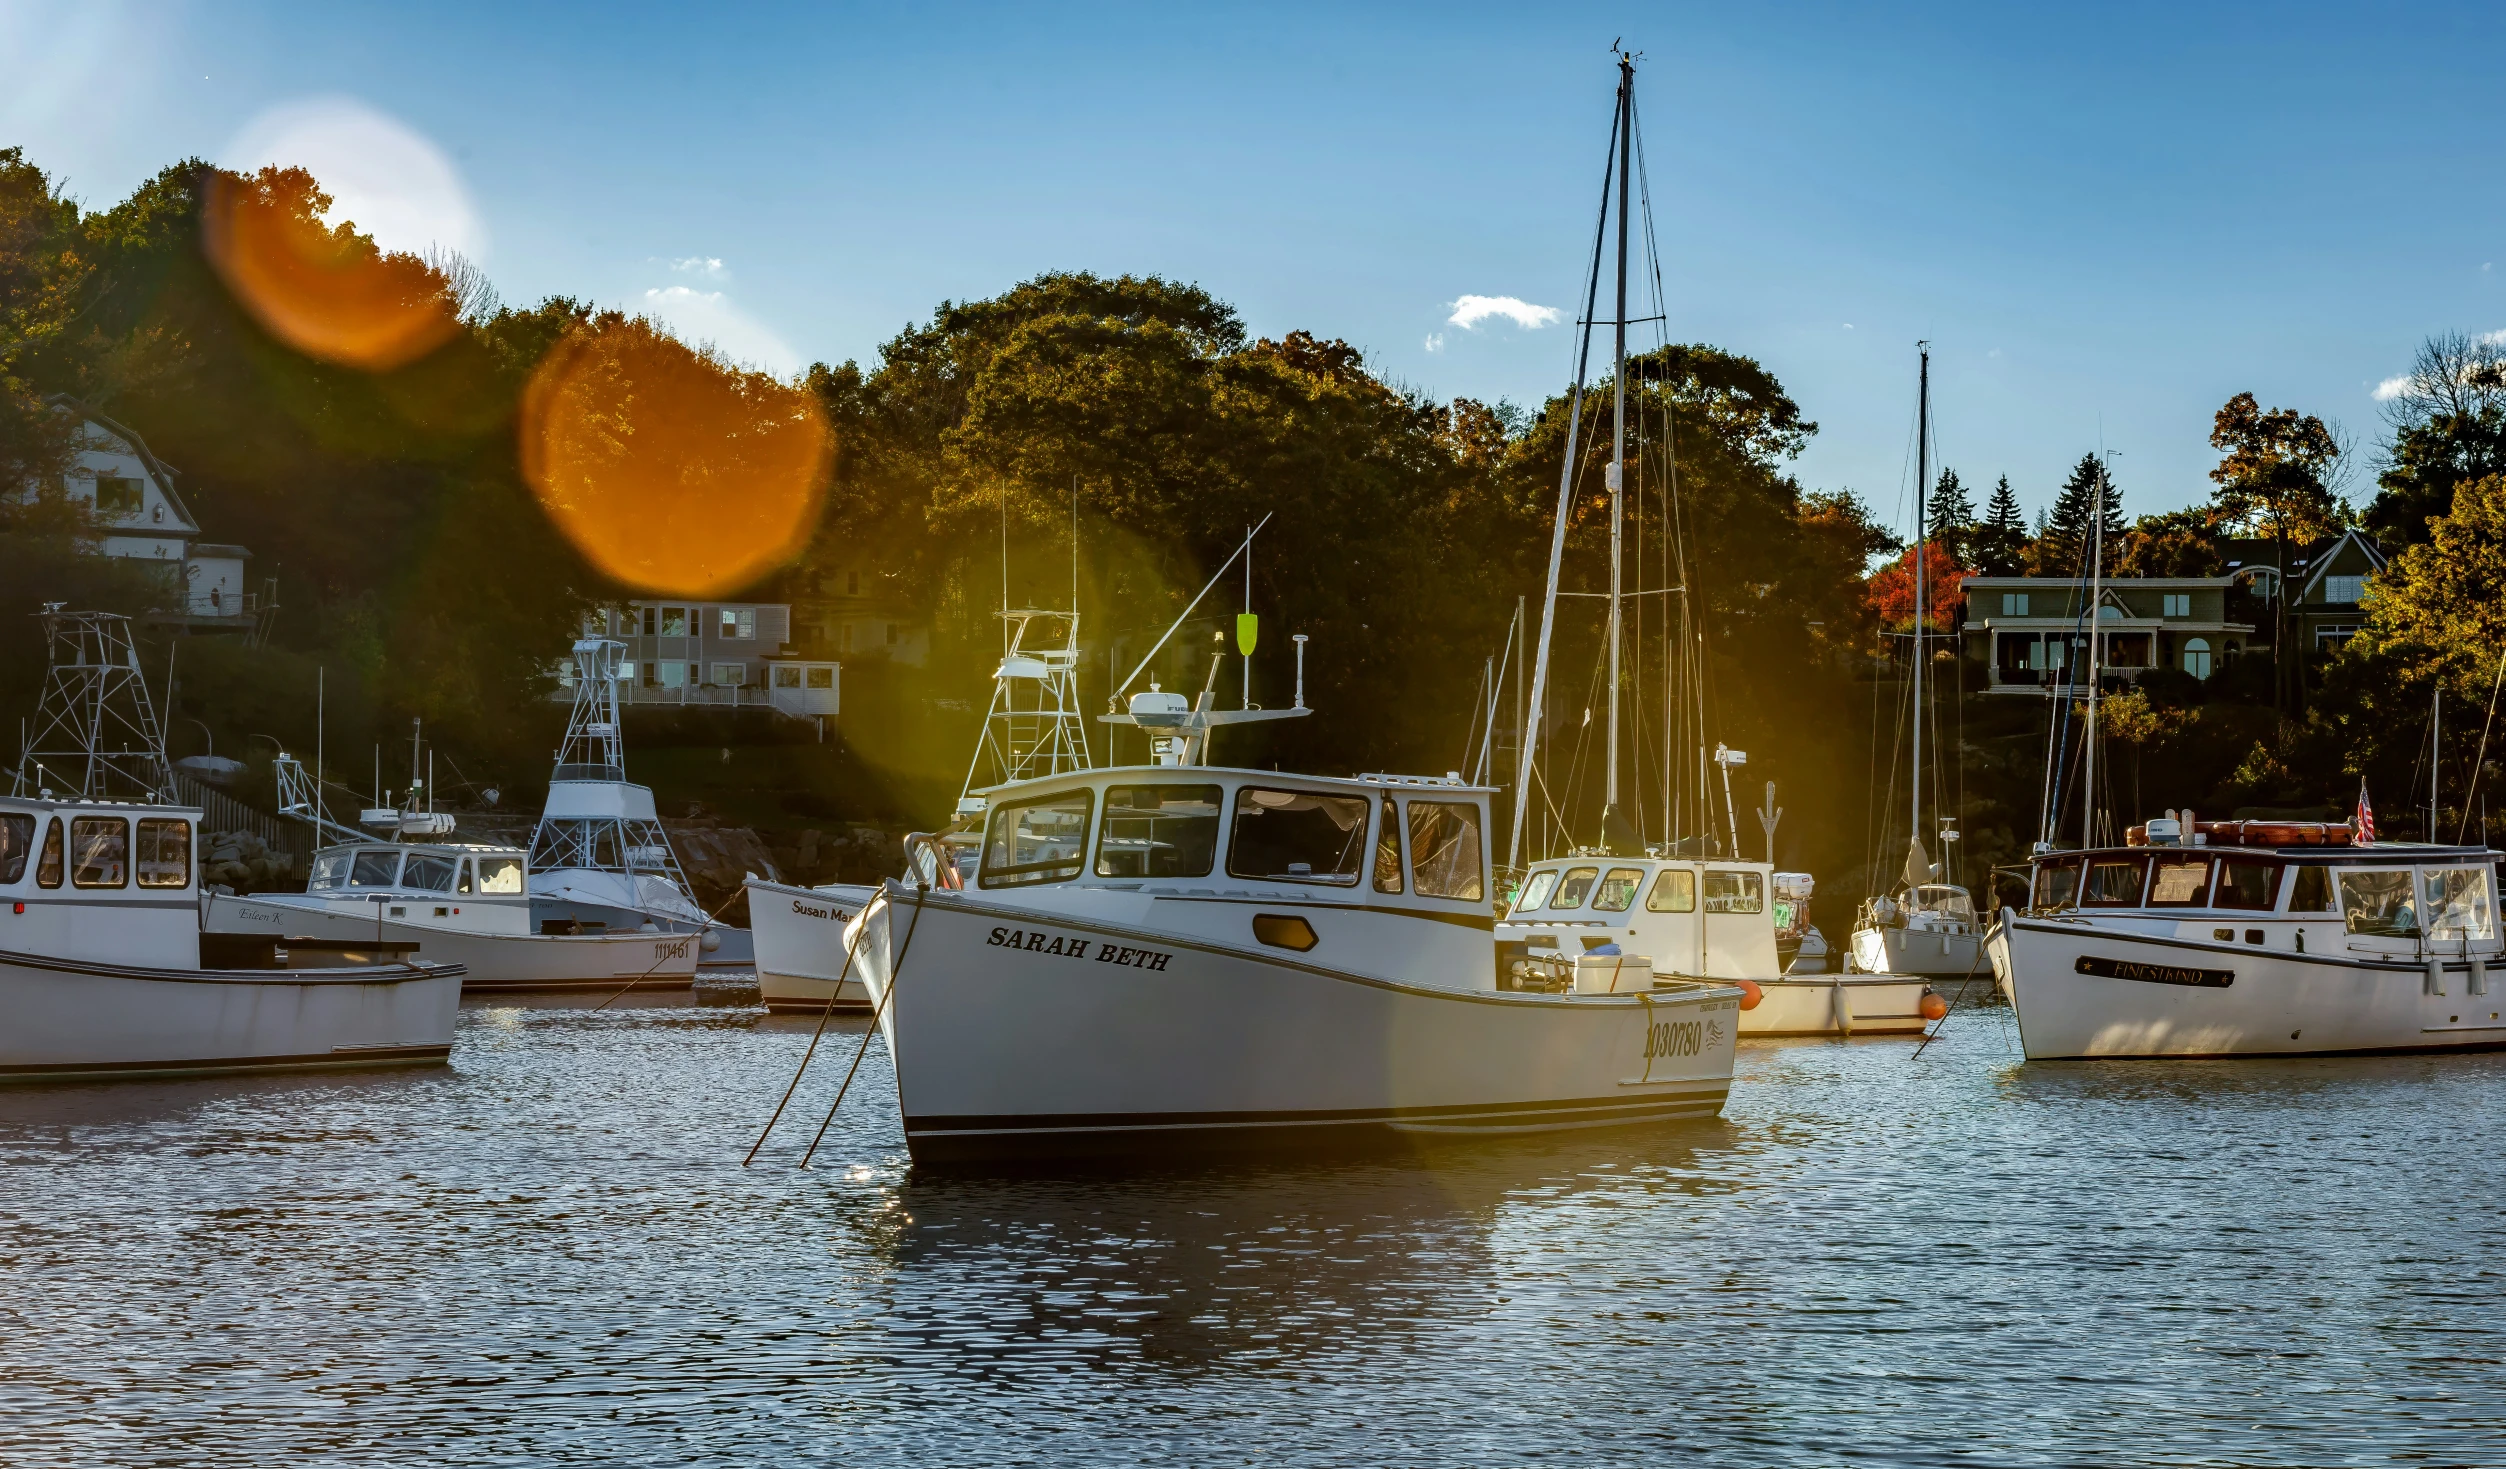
[549, 1253]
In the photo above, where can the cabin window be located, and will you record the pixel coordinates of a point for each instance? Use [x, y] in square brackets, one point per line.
[330, 870]
[164, 852]
[1618, 889]
[17, 843]
[1536, 890]
[429, 872]
[100, 852]
[674, 622]
[1039, 841]
[2114, 882]
[2312, 891]
[2180, 882]
[374, 869]
[1298, 836]
[48, 867]
[1735, 892]
[2378, 902]
[1158, 831]
[1572, 891]
[1675, 891]
[2456, 902]
[2245, 882]
[2057, 885]
[1444, 850]
[500, 874]
[1388, 849]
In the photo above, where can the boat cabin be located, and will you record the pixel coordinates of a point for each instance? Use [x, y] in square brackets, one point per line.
[1700, 918]
[112, 882]
[2380, 898]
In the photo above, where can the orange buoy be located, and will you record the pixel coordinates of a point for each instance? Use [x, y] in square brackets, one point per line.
[1750, 994]
[1933, 1006]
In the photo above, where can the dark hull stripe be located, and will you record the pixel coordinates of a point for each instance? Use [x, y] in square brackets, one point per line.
[316, 1061]
[1148, 1134]
[2397, 964]
[1065, 1121]
[563, 986]
[1860, 1027]
[2497, 1044]
[815, 1007]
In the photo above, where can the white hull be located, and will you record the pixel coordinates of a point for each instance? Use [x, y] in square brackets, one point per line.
[2188, 997]
[1917, 951]
[496, 962]
[1112, 1039]
[1836, 1004]
[74, 1020]
[800, 940]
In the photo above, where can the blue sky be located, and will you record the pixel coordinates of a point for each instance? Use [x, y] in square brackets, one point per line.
[2107, 221]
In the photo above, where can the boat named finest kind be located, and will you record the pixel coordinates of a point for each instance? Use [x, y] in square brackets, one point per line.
[2238, 938]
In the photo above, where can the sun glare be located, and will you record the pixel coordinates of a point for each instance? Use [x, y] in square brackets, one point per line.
[325, 291]
[673, 471]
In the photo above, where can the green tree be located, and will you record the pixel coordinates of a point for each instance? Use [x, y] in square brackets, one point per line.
[2063, 545]
[2449, 426]
[2002, 537]
[2274, 479]
[1949, 517]
[2172, 543]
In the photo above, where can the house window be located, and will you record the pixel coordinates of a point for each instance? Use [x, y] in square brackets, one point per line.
[2014, 604]
[892, 633]
[673, 674]
[730, 675]
[786, 676]
[2179, 604]
[852, 584]
[648, 622]
[2197, 657]
[739, 622]
[822, 678]
[116, 495]
[626, 672]
[674, 622]
[2332, 635]
[2343, 589]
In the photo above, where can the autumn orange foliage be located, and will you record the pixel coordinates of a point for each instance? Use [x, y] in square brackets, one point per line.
[1890, 591]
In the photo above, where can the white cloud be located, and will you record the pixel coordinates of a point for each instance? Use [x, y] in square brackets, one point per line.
[2391, 388]
[391, 181]
[1470, 311]
[709, 318]
[707, 266]
[1849, 326]
[1435, 341]
[2494, 338]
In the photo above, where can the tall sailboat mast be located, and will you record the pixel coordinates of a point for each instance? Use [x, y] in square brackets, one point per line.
[1613, 820]
[1922, 537]
[2096, 593]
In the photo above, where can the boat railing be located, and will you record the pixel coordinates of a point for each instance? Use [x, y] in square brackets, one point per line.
[586, 771]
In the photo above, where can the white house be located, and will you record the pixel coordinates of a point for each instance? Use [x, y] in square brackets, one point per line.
[140, 516]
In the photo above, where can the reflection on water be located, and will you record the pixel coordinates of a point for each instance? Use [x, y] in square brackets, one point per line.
[548, 1252]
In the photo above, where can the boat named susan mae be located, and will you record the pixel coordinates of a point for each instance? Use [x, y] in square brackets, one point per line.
[1204, 959]
[600, 860]
[102, 973]
[2253, 939]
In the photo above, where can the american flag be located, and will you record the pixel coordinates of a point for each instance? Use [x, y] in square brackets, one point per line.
[2366, 816]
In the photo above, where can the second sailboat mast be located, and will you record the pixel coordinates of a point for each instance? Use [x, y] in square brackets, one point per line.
[1618, 438]
[1922, 534]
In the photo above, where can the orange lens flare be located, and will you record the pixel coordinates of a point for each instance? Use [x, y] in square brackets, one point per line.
[329, 293]
[672, 471]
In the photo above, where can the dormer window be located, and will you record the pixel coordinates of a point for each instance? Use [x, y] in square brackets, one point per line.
[116, 495]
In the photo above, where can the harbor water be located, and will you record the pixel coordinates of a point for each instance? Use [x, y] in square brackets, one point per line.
[549, 1253]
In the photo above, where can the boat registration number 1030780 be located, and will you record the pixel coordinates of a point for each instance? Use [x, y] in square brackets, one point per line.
[1674, 1038]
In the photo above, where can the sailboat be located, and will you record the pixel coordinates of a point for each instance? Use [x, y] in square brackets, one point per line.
[1679, 908]
[1927, 926]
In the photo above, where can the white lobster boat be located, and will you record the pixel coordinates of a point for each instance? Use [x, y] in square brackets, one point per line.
[1695, 918]
[101, 972]
[2265, 939]
[800, 937]
[1210, 959]
[462, 903]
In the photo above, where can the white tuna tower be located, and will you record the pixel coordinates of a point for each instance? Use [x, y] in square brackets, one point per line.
[599, 842]
[96, 732]
[1034, 727]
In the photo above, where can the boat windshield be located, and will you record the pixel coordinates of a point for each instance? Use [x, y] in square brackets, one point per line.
[429, 872]
[1578, 883]
[17, 842]
[2456, 900]
[1444, 850]
[330, 870]
[374, 869]
[1617, 892]
[1941, 898]
[1299, 836]
[1158, 831]
[2378, 902]
[1536, 890]
[500, 874]
[2057, 884]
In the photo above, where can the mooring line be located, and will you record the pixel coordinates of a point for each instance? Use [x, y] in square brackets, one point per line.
[861, 930]
[1935, 1031]
[697, 938]
[896, 971]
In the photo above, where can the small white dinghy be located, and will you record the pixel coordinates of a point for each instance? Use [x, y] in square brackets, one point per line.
[102, 975]
[1206, 959]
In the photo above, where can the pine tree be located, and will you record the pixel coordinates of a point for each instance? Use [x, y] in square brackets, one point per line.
[2003, 533]
[1950, 517]
[2067, 527]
